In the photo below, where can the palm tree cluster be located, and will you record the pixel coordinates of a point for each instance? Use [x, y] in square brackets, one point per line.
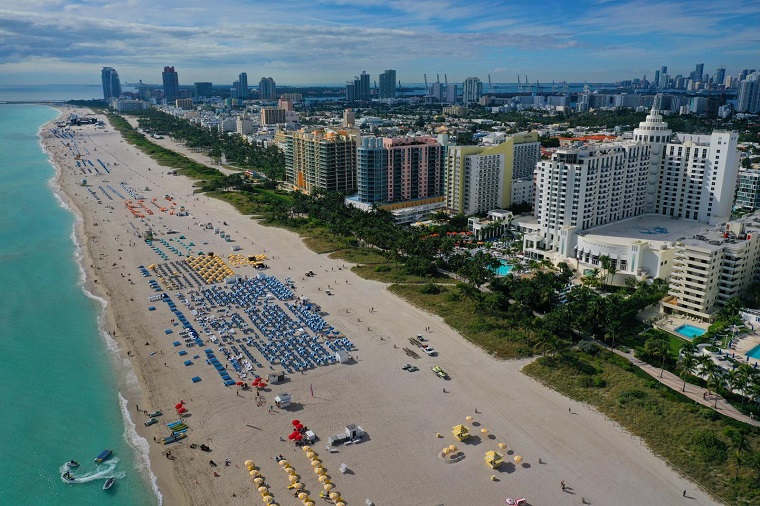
[269, 161]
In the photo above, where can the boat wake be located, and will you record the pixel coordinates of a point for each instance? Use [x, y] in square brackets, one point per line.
[101, 472]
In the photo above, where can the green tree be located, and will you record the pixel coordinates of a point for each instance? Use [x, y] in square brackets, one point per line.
[658, 346]
[687, 364]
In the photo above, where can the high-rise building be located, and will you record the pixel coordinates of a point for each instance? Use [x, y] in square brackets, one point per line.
[398, 169]
[720, 76]
[358, 90]
[267, 89]
[748, 192]
[272, 115]
[663, 70]
[349, 118]
[203, 90]
[683, 176]
[171, 84]
[242, 86]
[748, 99]
[111, 83]
[322, 159]
[472, 89]
[698, 75]
[656, 78]
[451, 93]
[387, 84]
[480, 178]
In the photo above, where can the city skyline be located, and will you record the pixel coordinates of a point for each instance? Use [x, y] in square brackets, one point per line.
[599, 41]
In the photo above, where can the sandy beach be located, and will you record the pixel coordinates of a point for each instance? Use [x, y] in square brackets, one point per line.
[402, 412]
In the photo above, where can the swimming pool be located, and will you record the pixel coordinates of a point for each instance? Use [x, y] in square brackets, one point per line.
[754, 352]
[503, 269]
[690, 331]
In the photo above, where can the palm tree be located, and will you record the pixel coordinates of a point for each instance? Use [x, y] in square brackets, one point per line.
[739, 446]
[658, 346]
[687, 364]
[716, 380]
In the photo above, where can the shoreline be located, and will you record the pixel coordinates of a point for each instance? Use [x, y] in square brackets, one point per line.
[105, 317]
[401, 411]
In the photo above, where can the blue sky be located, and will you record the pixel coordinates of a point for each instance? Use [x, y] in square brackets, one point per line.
[330, 41]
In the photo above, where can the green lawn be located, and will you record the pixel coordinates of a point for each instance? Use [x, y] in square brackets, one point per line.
[693, 439]
[492, 334]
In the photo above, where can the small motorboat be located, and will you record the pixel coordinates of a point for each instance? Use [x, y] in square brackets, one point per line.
[109, 483]
[67, 476]
[103, 455]
[71, 464]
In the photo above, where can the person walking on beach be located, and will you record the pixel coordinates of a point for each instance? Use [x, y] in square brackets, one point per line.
[562, 484]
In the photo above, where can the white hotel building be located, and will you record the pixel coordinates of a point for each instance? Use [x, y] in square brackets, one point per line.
[633, 201]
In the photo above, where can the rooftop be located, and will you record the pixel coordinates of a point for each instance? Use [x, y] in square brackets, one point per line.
[653, 228]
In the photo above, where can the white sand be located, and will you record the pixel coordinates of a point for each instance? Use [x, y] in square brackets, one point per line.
[401, 411]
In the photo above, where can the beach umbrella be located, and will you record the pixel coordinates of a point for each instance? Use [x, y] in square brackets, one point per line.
[258, 481]
[503, 446]
[319, 470]
[468, 418]
[311, 455]
[178, 405]
[324, 479]
[239, 383]
[262, 385]
[292, 435]
[283, 463]
[299, 426]
[249, 462]
[299, 437]
[295, 422]
[257, 380]
[334, 496]
[302, 495]
[339, 503]
[263, 489]
[182, 410]
[308, 503]
[252, 472]
[290, 471]
[293, 478]
[452, 448]
[328, 486]
[484, 431]
[518, 458]
[298, 485]
[267, 499]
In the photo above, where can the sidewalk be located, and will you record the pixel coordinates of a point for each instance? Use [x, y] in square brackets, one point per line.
[693, 392]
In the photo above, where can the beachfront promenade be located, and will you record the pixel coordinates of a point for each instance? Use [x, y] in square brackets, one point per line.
[402, 412]
[696, 393]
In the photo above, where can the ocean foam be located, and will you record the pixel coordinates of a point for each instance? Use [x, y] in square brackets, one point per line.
[141, 446]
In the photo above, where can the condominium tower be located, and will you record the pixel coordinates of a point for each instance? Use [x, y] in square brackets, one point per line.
[394, 169]
[111, 83]
[472, 89]
[388, 84]
[321, 159]
[267, 89]
[242, 86]
[171, 84]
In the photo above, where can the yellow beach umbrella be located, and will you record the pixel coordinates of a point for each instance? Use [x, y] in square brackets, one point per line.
[307, 448]
[518, 458]
[290, 471]
[315, 462]
[452, 448]
[293, 478]
[324, 479]
[263, 490]
[311, 455]
[334, 496]
[503, 446]
[339, 503]
[258, 480]
[252, 472]
[319, 470]
[267, 499]
[468, 418]
[302, 496]
[283, 463]
[328, 487]
[308, 503]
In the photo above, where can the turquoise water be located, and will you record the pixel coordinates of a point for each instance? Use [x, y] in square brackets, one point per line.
[690, 331]
[58, 390]
[754, 352]
[503, 269]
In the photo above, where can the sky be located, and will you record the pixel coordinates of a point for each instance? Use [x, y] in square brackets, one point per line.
[331, 41]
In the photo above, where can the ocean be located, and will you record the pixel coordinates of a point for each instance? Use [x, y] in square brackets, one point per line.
[60, 379]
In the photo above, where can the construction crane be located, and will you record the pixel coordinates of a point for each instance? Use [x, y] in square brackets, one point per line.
[490, 86]
[446, 80]
[519, 86]
[426, 85]
[438, 78]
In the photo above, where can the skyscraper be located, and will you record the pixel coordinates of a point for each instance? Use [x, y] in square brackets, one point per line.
[358, 90]
[203, 90]
[720, 76]
[242, 87]
[472, 88]
[322, 159]
[699, 71]
[267, 88]
[388, 84]
[656, 78]
[171, 84]
[111, 83]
